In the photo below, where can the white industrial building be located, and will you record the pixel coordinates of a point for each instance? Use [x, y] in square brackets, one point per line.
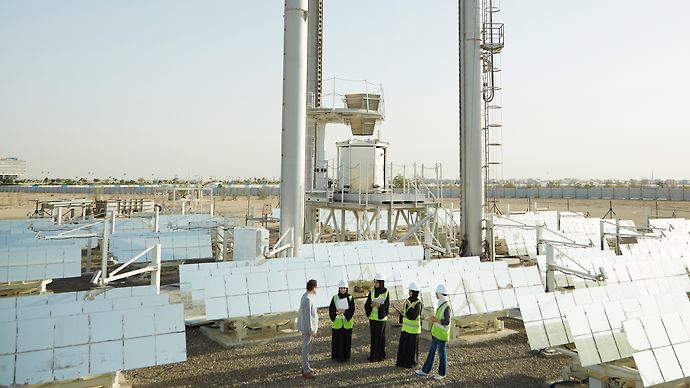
[11, 168]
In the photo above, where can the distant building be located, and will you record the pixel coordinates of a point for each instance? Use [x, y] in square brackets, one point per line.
[11, 168]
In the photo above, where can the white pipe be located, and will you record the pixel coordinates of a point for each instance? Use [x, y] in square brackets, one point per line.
[294, 121]
[470, 125]
[104, 250]
[156, 222]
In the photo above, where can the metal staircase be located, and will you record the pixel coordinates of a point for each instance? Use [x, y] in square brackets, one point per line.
[492, 44]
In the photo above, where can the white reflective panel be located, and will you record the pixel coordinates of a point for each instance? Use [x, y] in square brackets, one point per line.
[98, 305]
[8, 337]
[651, 286]
[171, 348]
[238, 306]
[477, 303]
[138, 323]
[71, 362]
[487, 280]
[564, 300]
[493, 301]
[536, 334]
[532, 276]
[169, 318]
[35, 334]
[6, 370]
[257, 283]
[631, 290]
[105, 357]
[459, 305]
[622, 344]
[634, 332]
[471, 282]
[277, 281]
[615, 314]
[634, 271]
[126, 303]
[71, 330]
[216, 308]
[547, 306]
[456, 286]
[529, 309]
[139, 352]
[334, 276]
[648, 368]
[502, 278]
[34, 367]
[577, 321]
[582, 296]
[214, 287]
[508, 298]
[606, 345]
[280, 301]
[597, 318]
[295, 298]
[598, 294]
[683, 354]
[259, 304]
[517, 277]
[555, 332]
[587, 350]
[354, 272]
[622, 273]
[668, 363]
[675, 328]
[296, 280]
[630, 306]
[656, 333]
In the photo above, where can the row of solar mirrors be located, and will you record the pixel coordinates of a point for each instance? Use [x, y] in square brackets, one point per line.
[38, 249]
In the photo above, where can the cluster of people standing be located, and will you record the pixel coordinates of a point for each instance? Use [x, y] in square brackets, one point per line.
[341, 312]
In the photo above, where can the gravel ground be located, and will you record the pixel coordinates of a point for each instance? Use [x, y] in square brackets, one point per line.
[506, 362]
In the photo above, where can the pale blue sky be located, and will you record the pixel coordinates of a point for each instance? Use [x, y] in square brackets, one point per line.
[590, 88]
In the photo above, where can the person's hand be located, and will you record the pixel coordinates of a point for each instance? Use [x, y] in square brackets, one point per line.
[407, 302]
[340, 311]
[375, 304]
[433, 319]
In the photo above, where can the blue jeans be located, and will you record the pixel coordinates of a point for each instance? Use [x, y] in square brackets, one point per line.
[441, 345]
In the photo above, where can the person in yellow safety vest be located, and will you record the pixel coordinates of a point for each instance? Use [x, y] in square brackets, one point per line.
[439, 335]
[411, 319]
[341, 328]
[376, 308]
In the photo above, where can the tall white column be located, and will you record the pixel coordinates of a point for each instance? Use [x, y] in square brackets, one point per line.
[470, 125]
[294, 121]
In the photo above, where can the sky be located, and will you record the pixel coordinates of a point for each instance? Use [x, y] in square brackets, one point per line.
[165, 88]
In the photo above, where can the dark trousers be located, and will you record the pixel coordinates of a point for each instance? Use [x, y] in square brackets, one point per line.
[378, 340]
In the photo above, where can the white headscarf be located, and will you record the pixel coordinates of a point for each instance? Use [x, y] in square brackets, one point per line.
[442, 298]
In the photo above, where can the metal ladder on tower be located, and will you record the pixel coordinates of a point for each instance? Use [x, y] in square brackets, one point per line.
[492, 44]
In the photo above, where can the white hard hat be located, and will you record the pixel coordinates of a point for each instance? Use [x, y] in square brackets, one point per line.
[380, 276]
[414, 287]
[343, 284]
[441, 289]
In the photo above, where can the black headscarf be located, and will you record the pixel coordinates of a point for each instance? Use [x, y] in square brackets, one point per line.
[415, 295]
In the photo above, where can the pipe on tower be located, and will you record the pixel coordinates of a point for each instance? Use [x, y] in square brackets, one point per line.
[470, 126]
[293, 142]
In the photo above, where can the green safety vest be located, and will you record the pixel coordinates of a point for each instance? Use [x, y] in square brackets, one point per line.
[339, 322]
[412, 326]
[438, 330]
[374, 316]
